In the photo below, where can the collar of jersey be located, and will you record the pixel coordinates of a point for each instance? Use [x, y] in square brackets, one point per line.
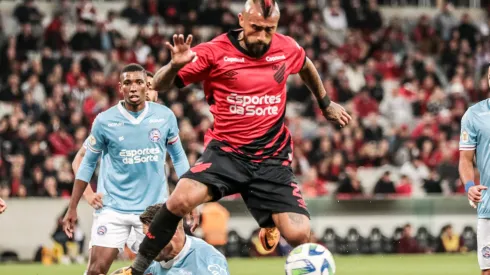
[182, 253]
[131, 118]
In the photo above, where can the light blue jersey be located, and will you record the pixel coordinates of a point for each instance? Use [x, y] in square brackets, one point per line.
[133, 147]
[475, 135]
[196, 258]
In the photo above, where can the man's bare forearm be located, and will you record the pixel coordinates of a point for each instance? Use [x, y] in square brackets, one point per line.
[165, 77]
[312, 79]
[78, 189]
[466, 167]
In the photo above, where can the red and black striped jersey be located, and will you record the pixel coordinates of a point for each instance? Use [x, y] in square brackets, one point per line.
[247, 95]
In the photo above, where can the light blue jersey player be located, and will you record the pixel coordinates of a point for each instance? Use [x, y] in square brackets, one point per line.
[184, 255]
[132, 139]
[475, 141]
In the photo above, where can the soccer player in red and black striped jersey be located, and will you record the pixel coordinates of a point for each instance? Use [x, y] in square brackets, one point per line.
[249, 148]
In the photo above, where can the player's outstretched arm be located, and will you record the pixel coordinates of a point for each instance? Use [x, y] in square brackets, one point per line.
[95, 200]
[467, 175]
[331, 110]
[181, 55]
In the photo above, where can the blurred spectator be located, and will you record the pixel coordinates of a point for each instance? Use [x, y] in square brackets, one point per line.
[81, 39]
[312, 186]
[407, 243]
[404, 187]
[385, 185]
[449, 242]
[27, 12]
[350, 184]
[26, 40]
[336, 22]
[432, 185]
[445, 21]
[86, 11]
[134, 13]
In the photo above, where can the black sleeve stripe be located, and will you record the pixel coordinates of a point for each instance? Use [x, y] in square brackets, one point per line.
[304, 62]
[179, 82]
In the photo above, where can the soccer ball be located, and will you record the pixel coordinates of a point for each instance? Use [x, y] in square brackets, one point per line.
[310, 259]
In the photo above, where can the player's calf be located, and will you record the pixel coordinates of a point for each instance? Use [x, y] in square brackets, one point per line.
[294, 227]
[101, 260]
[485, 272]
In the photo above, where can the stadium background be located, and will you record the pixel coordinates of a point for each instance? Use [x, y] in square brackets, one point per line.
[405, 69]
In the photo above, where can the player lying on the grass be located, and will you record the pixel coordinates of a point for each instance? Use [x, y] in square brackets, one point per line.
[132, 139]
[474, 142]
[3, 206]
[249, 148]
[183, 254]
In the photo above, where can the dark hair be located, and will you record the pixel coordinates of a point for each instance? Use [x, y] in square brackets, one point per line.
[133, 67]
[267, 7]
[150, 213]
[150, 74]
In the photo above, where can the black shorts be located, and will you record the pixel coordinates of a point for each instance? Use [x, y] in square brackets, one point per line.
[265, 188]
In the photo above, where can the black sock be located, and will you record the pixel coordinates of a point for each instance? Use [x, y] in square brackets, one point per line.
[161, 231]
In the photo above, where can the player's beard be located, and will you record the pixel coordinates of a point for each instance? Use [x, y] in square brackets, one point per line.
[256, 49]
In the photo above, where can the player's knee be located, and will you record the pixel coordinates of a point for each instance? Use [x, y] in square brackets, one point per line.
[180, 204]
[485, 272]
[97, 268]
[297, 235]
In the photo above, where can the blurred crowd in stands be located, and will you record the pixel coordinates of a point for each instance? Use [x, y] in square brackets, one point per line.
[406, 84]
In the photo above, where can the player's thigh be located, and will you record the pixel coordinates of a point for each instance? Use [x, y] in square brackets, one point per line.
[274, 199]
[136, 236]
[483, 241]
[110, 229]
[215, 175]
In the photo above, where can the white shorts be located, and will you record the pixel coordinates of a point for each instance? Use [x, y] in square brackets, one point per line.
[483, 240]
[115, 230]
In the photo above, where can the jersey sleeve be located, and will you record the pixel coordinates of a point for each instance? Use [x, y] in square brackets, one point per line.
[297, 56]
[173, 130]
[96, 142]
[216, 265]
[469, 137]
[199, 68]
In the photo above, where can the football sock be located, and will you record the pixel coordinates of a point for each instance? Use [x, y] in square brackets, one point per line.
[161, 231]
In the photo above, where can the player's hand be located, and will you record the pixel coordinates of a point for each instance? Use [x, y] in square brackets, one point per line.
[474, 193]
[69, 222]
[181, 51]
[337, 114]
[3, 206]
[95, 200]
[193, 219]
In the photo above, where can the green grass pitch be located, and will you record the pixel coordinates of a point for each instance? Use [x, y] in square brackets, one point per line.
[351, 265]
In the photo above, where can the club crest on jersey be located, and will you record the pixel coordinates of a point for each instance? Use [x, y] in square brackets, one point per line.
[485, 252]
[154, 135]
[91, 140]
[101, 230]
[464, 136]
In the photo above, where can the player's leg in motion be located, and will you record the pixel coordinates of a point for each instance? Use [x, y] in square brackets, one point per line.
[187, 195]
[483, 241]
[101, 259]
[294, 227]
